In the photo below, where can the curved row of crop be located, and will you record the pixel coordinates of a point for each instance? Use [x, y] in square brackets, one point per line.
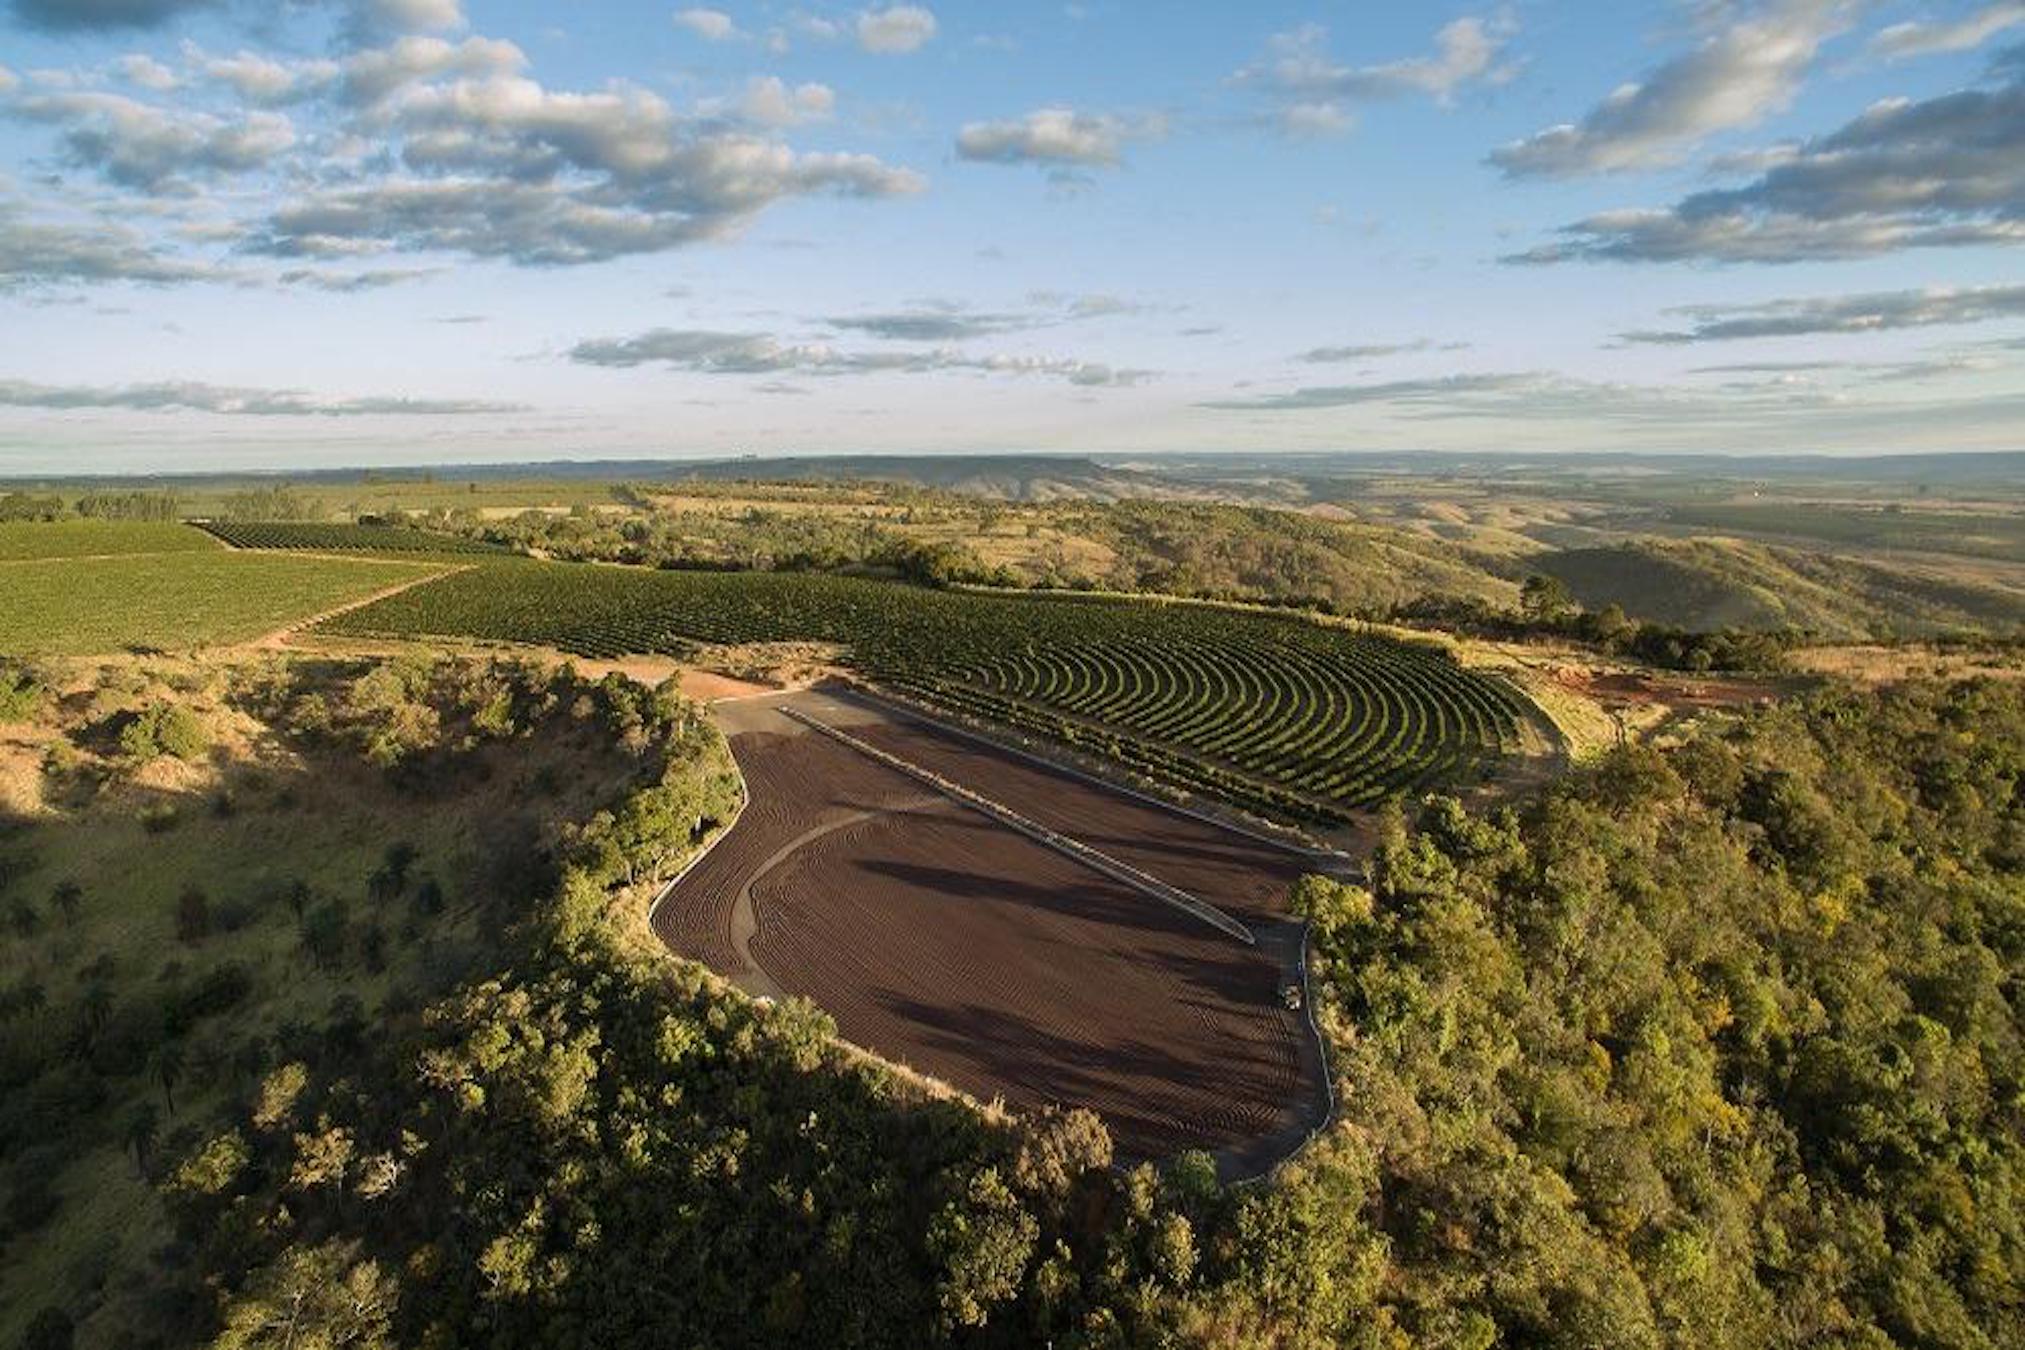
[1274, 713]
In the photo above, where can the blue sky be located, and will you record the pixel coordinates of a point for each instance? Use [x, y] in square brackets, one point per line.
[341, 231]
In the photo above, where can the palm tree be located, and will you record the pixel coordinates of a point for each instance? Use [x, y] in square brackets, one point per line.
[98, 1006]
[142, 1127]
[68, 897]
[169, 1070]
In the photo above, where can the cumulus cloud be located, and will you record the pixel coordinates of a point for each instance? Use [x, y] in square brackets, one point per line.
[34, 254]
[1737, 77]
[769, 101]
[712, 352]
[1871, 313]
[895, 30]
[1903, 40]
[712, 25]
[1311, 87]
[185, 396]
[261, 80]
[87, 15]
[141, 146]
[1946, 171]
[434, 144]
[145, 72]
[373, 76]
[1056, 136]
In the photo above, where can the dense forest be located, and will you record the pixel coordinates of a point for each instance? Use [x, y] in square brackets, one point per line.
[1716, 1045]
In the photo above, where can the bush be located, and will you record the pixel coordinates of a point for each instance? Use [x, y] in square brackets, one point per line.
[179, 733]
[20, 696]
[193, 915]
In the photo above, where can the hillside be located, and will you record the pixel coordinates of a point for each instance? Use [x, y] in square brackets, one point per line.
[1707, 584]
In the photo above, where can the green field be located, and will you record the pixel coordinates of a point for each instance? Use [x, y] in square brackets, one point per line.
[95, 538]
[78, 607]
[1274, 713]
[311, 537]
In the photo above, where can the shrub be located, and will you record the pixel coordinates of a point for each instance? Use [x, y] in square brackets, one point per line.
[193, 915]
[20, 696]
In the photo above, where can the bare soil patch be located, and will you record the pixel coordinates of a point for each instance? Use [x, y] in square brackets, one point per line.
[953, 944]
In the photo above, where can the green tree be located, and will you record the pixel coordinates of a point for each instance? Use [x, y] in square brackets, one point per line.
[314, 1298]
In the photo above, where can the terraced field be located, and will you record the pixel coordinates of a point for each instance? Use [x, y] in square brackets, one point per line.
[315, 537]
[1273, 713]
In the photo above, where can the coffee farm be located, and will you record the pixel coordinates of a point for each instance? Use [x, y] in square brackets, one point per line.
[1276, 714]
[316, 537]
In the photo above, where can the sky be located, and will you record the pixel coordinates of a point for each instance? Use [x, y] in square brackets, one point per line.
[307, 233]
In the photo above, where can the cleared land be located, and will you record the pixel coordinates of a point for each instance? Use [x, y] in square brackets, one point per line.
[100, 604]
[946, 941]
[1273, 713]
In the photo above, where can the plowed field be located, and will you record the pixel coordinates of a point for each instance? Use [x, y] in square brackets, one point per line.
[942, 939]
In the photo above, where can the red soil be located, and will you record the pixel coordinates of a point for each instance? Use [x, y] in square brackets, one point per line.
[943, 940]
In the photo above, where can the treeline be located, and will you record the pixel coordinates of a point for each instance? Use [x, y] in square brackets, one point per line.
[132, 505]
[1705, 1048]
[129, 1012]
[1713, 1047]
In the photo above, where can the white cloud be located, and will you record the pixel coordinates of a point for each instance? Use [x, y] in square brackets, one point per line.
[712, 25]
[710, 352]
[140, 146]
[8, 79]
[1874, 312]
[770, 102]
[1311, 87]
[897, 29]
[1056, 136]
[146, 72]
[258, 79]
[190, 396]
[1735, 78]
[373, 75]
[1903, 40]
[1947, 171]
[35, 254]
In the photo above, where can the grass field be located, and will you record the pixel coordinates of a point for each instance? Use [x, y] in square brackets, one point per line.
[195, 599]
[95, 538]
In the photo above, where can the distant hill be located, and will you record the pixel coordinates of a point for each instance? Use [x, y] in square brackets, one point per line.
[1026, 478]
[1708, 584]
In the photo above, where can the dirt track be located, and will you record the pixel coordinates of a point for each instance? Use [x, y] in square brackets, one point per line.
[948, 942]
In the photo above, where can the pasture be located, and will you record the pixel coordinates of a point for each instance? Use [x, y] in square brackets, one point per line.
[1273, 713]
